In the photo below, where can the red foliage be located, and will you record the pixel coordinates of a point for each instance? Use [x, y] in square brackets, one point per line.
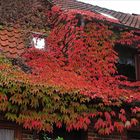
[83, 60]
[129, 38]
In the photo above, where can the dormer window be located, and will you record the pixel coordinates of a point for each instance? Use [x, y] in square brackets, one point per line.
[38, 41]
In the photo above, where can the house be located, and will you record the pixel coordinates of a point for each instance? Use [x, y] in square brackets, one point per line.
[19, 25]
[126, 20]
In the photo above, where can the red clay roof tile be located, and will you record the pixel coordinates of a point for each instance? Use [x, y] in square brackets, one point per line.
[4, 43]
[11, 42]
[11, 38]
[3, 37]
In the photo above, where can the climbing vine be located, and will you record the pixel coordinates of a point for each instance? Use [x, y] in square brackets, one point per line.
[73, 80]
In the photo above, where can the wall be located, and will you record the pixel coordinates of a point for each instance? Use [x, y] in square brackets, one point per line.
[28, 135]
[115, 136]
[20, 133]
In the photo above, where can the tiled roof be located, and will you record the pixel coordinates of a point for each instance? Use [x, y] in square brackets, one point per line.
[124, 18]
[11, 42]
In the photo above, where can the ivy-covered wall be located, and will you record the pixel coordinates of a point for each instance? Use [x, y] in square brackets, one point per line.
[72, 80]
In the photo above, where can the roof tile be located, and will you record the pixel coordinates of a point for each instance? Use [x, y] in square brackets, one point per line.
[133, 24]
[3, 37]
[11, 41]
[12, 44]
[4, 43]
[124, 18]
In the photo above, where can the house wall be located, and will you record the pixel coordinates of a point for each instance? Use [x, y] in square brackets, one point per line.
[28, 135]
[23, 134]
[20, 133]
[131, 134]
[115, 136]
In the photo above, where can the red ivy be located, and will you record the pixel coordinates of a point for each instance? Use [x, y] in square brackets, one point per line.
[82, 59]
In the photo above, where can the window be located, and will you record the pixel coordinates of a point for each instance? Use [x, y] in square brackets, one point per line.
[126, 63]
[38, 41]
[9, 131]
[137, 59]
[6, 134]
